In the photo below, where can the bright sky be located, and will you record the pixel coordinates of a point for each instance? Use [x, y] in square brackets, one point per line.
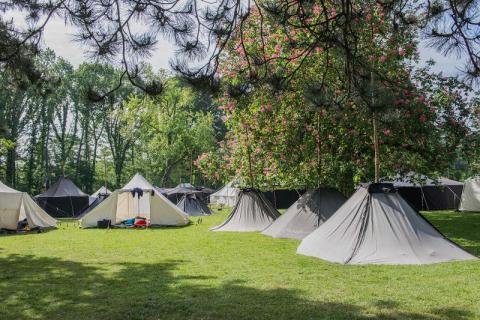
[59, 37]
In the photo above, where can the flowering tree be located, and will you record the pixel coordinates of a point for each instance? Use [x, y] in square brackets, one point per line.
[298, 119]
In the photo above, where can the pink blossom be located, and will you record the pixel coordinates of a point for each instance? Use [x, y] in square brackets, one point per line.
[422, 118]
[382, 59]
[317, 9]
[387, 132]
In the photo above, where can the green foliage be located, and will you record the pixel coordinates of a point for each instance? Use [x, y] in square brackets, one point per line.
[296, 119]
[170, 132]
[72, 123]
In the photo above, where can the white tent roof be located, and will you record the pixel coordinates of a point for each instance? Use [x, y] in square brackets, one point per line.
[5, 188]
[16, 206]
[101, 190]
[138, 181]
[471, 195]
[227, 191]
[122, 205]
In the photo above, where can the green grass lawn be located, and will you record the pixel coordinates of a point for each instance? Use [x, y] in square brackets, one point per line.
[193, 273]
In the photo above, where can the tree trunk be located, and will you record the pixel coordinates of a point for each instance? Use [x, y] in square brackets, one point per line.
[11, 167]
[376, 148]
[249, 157]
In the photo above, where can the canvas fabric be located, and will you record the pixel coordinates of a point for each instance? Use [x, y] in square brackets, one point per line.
[379, 228]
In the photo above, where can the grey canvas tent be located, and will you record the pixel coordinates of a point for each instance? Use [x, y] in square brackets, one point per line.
[193, 205]
[251, 213]
[17, 207]
[470, 195]
[377, 226]
[63, 199]
[307, 214]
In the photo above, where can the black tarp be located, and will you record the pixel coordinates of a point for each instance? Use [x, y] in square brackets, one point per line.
[444, 194]
[283, 198]
[63, 199]
[175, 194]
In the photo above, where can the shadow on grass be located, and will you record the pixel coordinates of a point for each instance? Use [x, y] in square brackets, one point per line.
[50, 288]
[10, 233]
[460, 227]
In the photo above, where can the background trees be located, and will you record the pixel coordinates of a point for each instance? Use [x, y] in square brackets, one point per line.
[70, 127]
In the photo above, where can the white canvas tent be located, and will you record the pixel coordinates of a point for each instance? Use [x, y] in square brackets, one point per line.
[16, 206]
[471, 195]
[226, 196]
[377, 226]
[137, 198]
[102, 192]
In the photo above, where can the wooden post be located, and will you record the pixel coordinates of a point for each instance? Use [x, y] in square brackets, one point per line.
[249, 157]
[376, 148]
[105, 172]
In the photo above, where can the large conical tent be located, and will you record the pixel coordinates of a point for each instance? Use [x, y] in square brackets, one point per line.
[193, 205]
[471, 195]
[377, 226]
[16, 206]
[251, 213]
[307, 214]
[63, 199]
[226, 196]
[137, 198]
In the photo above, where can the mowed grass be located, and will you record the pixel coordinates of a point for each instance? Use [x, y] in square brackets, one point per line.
[193, 273]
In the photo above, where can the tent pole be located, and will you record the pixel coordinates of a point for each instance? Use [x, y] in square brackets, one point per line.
[374, 123]
[105, 173]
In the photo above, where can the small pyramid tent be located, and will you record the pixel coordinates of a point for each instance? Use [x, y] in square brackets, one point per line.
[251, 213]
[63, 199]
[137, 198]
[102, 191]
[377, 226]
[307, 214]
[98, 196]
[226, 196]
[471, 195]
[193, 205]
[16, 206]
